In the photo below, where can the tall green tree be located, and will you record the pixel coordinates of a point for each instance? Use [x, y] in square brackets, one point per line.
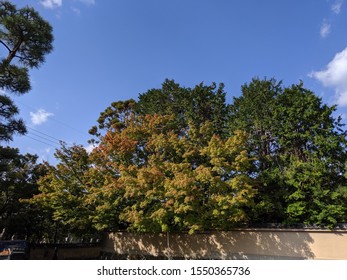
[26, 38]
[253, 112]
[291, 127]
[188, 106]
[312, 151]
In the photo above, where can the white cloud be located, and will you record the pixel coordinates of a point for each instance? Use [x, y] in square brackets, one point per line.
[335, 76]
[51, 4]
[76, 11]
[90, 148]
[336, 7]
[87, 2]
[325, 29]
[40, 117]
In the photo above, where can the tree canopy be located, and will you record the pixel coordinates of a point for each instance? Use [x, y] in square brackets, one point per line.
[291, 127]
[181, 159]
[151, 178]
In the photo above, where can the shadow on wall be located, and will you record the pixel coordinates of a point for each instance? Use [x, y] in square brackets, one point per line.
[238, 244]
[245, 245]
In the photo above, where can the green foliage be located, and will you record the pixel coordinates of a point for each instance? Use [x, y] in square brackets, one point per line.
[25, 39]
[188, 105]
[14, 79]
[290, 127]
[171, 182]
[18, 175]
[181, 159]
[26, 36]
[316, 197]
[253, 112]
[8, 123]
[147, 177]
[63, 189]
[113, 117]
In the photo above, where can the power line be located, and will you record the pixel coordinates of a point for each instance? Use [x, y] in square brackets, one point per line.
[44, 138]
[59, 140]
[41, 141]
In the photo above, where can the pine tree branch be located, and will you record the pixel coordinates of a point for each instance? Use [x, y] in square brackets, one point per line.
[7, 47]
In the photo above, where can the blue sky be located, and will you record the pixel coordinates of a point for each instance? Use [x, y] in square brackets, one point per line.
[108, 50]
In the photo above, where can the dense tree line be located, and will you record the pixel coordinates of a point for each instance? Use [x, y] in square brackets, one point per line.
[182, 159]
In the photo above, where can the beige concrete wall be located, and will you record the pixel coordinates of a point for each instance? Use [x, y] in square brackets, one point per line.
[236, 244]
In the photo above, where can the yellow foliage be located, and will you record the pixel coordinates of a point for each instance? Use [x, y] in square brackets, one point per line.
[176, 179]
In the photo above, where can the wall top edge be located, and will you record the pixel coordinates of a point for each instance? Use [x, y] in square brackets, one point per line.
[320, 230]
